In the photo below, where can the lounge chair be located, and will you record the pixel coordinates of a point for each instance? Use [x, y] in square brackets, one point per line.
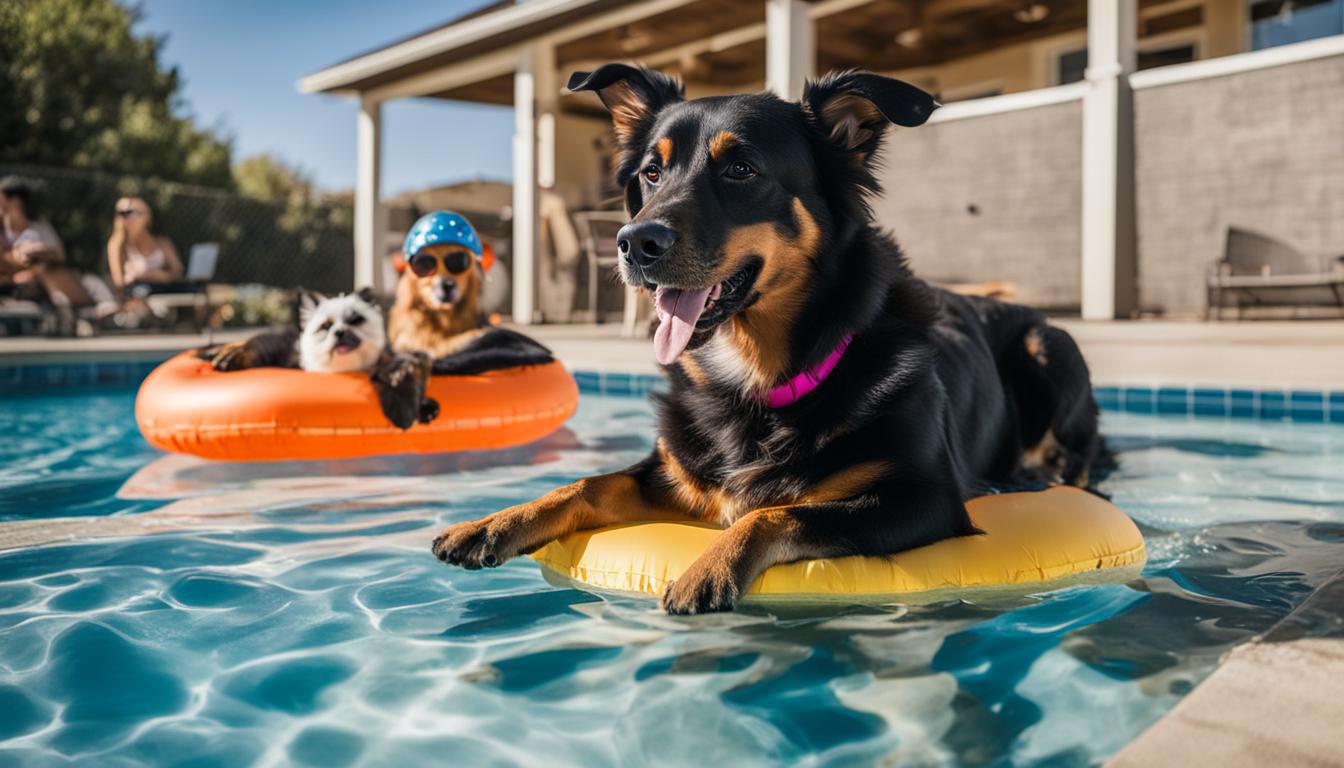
[597, 235]
[79, 304]
[193, 292]
[19, 317]
[1260, 271]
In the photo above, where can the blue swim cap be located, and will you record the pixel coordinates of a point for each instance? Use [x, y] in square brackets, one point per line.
[441, 227]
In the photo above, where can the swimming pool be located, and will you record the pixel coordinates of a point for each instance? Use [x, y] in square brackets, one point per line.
[291, 613]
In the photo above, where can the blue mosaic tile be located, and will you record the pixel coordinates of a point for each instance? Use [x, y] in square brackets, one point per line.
[1306, 397]
[1307, 415]
[1210, 406]
[618, 384]
[1137, 399]
[1108, 398]
[590, 383]
[1306, 406]
[646, 383]
[1172, 401]
[1273, 406]
[1242, 404]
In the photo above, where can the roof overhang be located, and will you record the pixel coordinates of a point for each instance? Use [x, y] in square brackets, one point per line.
[452, 42]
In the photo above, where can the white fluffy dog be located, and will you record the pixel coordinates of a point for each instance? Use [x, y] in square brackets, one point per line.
[340, 334]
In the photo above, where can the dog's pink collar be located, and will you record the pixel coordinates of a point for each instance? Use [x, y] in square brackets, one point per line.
[796, 388]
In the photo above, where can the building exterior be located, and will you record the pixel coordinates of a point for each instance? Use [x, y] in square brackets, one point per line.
[1092, 152]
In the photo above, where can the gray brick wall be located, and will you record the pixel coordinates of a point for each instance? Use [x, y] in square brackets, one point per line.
[1021, 171]
[1261, 149]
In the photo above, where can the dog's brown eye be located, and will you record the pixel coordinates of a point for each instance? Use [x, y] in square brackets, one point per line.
[653, 173]
[740, 170]
[354, 319]
[325, 326]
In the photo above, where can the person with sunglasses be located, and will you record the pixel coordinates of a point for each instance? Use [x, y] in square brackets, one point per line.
[140, 262]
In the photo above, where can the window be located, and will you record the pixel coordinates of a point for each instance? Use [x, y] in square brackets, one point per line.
[1072, 67]
[1073, 64]
[1280, 22]
[1161, 57]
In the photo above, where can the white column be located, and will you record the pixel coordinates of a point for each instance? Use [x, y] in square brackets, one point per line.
[1109, 258]
[526, 218]
[547, 82]
[369, 218]
[790, 49]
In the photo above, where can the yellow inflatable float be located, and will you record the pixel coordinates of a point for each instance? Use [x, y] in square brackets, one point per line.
[1032, 542]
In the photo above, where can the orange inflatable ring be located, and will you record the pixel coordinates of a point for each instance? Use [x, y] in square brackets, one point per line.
[268, 414]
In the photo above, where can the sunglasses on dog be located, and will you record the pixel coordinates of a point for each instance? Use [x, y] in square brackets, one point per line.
[425, 264]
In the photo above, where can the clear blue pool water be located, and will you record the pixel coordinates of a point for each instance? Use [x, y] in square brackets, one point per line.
[216, 614]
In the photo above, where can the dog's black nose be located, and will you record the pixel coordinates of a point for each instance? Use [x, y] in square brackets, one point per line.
[645, 242]
[341, 334]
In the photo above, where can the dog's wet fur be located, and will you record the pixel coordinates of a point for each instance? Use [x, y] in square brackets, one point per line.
[338, 334]
[759, 207]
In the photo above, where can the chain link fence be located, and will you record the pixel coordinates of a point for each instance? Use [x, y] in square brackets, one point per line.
[259, 242]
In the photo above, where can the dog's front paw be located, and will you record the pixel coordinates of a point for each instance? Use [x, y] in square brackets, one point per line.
[400, 381]
[478, 544]
[231, 357]
[429, 410]
[702, 589]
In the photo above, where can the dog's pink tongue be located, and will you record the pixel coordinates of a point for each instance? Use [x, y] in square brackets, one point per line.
[677, 312]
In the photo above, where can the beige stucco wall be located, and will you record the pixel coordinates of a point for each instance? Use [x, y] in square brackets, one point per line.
[1261, 149]
[991, 198]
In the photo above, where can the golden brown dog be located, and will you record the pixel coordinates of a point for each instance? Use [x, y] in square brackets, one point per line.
[438, 307]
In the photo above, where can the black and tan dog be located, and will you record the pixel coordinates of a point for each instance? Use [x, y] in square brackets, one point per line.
[823, 401]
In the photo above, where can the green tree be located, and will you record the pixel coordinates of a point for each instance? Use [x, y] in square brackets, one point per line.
[271, 179]
[305, 211]
[79, 89]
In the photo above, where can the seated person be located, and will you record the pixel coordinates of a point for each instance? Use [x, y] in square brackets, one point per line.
[438, 311]
[140, 262]
[28, 243]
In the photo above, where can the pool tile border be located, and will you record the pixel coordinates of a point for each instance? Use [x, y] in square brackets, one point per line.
[1312, 406]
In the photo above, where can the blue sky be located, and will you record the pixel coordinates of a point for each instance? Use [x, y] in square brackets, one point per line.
[240, 61]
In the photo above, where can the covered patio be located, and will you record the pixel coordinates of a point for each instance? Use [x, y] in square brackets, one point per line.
[520, 55]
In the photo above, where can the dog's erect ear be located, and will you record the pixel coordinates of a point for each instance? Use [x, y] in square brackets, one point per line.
[308, 301]
[852, 108]
[366, 295]
[633, 95]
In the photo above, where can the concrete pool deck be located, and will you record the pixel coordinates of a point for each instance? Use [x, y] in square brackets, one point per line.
[1271, 354]
[1272, 702]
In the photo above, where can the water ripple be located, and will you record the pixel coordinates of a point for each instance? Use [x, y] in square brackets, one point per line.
[291, 614]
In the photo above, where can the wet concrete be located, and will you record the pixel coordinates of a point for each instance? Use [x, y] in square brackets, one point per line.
[1273, 702]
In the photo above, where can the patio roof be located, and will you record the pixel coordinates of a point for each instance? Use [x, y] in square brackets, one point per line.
[490, 28]
[714, 42]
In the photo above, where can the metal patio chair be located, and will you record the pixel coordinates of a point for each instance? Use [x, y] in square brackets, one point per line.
[1257, 270]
